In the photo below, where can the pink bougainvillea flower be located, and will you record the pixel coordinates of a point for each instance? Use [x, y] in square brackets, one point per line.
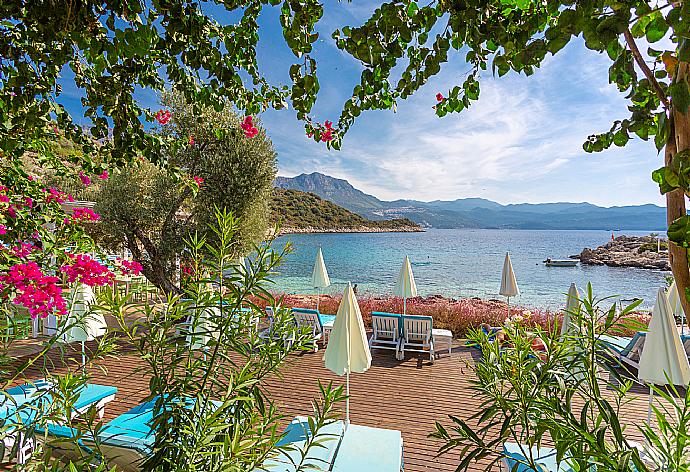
[88, 271]
[163, 116]
[28, 201]
[85, 214]
[3, 229]
[198, 180]
[3, 189]
[30, 177]
[104, 175]
[130, 267]
[439, 97]
[84, 178]
[327, 135]
[22, 250]
[248, 126]
[11, 211]
[310, 135]
[55, 195]
[34, 290]
[4, 199]
[328, 124]
[191, 140]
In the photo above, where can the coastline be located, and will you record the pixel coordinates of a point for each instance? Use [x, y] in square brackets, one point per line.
[344, 230]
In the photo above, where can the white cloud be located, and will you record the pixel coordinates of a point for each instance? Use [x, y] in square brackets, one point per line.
[522, 141]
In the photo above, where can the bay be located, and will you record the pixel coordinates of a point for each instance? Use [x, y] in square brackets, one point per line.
[463, 263]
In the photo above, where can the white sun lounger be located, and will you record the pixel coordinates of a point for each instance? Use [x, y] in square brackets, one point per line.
[386, 332]
[417, 335]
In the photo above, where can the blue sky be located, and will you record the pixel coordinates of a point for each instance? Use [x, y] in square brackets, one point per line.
[521, 142]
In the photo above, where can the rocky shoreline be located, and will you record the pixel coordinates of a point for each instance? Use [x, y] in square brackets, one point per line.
[356, 229]
[629, 251]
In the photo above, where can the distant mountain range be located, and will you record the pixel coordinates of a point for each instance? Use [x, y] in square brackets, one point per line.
[479, 212]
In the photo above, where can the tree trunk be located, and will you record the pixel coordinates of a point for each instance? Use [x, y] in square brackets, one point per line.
[679, 140]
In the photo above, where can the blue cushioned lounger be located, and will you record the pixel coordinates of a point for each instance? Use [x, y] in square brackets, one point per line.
[325, 319]
[368, 449]
[21, 405]
[319, 457]
[544, 456]
[359, 448]
[36, 393]
[126, 440]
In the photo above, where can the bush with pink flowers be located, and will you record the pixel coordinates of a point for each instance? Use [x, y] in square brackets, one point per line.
[86, 270]
[31, 288]
[459, 316]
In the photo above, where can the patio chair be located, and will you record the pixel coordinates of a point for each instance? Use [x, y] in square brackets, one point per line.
[417, 335]
[387, 332]
[357, 448]
[311, 321]
[22, 404]
[625, 349]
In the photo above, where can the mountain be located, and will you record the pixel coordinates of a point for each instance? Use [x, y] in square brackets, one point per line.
[338, 191]
[298, 211]
[480, 212]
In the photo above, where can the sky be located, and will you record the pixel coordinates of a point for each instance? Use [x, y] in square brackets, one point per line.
[521, 142]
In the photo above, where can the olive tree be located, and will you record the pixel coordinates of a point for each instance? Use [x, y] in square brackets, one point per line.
[151, 210]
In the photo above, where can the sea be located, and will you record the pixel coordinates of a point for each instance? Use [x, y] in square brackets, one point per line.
[461, 263]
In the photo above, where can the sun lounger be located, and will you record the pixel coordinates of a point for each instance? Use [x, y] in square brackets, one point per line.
[22, 404]
[126, 441]
[326, 320]
[417, 335]
[357, 448]
[312, 320]
[625, 349]
[387, 332]
[545, 457]
[369, 449]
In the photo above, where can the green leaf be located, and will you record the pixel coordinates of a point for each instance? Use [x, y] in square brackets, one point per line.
[679, 231]
[680, 95]
[656, 29]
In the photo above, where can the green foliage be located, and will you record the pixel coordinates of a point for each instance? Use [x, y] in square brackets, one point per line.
[151, 210]
[571, 396]
[295, 209]
[112, 48]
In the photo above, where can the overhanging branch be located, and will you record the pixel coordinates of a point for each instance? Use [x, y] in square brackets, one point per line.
[645, 68]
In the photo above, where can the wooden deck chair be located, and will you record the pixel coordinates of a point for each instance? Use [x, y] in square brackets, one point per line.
[387, 332]
[417, 335]
[312, 322]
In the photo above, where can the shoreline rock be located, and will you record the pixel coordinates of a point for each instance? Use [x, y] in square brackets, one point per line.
[357, 229]
[628, 251]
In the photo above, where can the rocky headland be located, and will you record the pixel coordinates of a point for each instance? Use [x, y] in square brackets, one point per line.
[629, 251]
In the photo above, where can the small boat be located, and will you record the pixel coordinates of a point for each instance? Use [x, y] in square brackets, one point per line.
[560, 262]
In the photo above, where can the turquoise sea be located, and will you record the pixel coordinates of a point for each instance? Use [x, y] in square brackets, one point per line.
[463, 263]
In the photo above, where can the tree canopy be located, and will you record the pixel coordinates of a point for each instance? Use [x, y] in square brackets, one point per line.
[152, 211]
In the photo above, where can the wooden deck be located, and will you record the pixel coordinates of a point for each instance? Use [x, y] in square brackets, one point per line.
[407, 395]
